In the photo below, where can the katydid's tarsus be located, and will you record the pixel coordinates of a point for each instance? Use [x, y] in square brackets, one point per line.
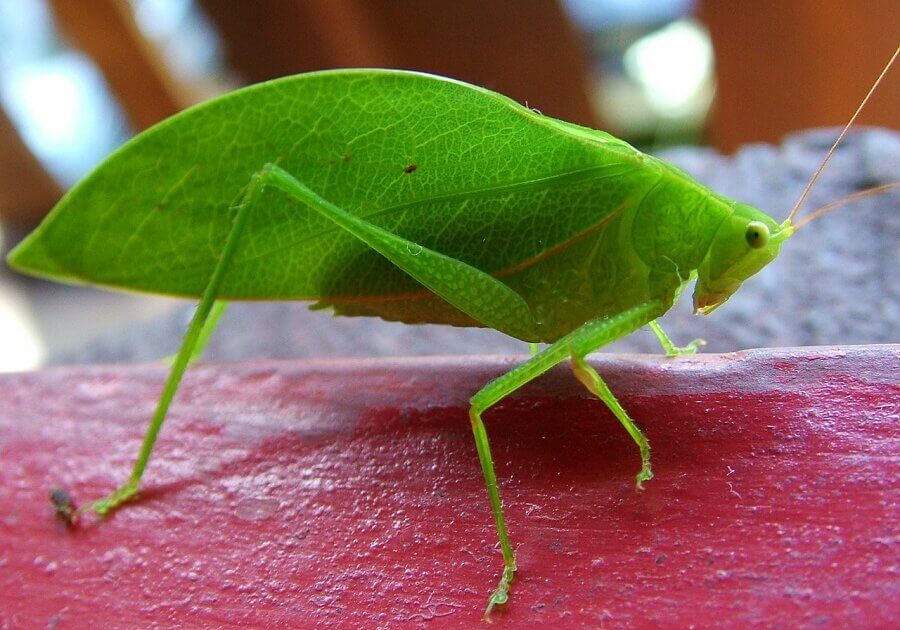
[303, 189]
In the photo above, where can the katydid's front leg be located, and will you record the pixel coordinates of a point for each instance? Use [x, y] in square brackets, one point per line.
[578, 343]
[197, 334]
[598, 387]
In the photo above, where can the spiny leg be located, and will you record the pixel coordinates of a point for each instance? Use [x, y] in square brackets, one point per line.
[194, 334]
[598, 387]
[590, 336]
[489, 301]
[471, 290]
[670, 348]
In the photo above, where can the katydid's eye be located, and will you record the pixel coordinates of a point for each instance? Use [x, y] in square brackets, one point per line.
[757, 234]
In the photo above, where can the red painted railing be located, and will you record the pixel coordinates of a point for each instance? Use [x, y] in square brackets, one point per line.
[348, 493]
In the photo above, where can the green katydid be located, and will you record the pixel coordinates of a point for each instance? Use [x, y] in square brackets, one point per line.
[412, 198]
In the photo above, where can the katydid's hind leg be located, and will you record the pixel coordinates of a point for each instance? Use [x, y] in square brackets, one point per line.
[471, 290]
[476, 293]
[185, 356]
[598, 387]
[670, 348]
[209, 327]
[198, 332]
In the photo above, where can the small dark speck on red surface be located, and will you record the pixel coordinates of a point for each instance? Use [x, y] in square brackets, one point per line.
[302, 494]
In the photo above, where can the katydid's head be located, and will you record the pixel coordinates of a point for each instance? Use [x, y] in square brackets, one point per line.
[745, 242]
[748, 240]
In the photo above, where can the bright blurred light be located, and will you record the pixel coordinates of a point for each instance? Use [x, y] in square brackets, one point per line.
[54, 104]
[63, 112]
[672, 65]
[612, 14]
[22, 348]
[26, 31]
[21, 345]
[184, 35]
[160, 18]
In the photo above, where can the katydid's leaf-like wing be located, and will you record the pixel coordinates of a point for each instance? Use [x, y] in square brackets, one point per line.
[461, 170]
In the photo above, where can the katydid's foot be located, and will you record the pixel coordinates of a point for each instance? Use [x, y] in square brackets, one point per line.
[670, 348]
[645, 475]
[107, 504]
[501, 595]
[691, 348]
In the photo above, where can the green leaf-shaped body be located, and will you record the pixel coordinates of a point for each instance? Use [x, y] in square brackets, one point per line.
[577, 222]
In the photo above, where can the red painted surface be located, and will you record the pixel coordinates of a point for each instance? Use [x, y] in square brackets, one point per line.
[348, 493]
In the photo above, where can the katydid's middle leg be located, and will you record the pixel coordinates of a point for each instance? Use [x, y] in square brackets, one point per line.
[588, 337]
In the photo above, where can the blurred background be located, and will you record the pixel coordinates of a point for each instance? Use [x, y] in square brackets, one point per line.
[79, 77]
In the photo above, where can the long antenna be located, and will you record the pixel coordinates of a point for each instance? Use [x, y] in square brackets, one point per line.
[841, 137]
[877, 190]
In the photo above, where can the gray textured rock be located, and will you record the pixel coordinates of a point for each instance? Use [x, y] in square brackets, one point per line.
[836, 282]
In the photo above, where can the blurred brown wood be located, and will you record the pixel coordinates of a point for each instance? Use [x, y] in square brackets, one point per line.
[106, 31]
[527, 50]
[27, 192]
[783, 66]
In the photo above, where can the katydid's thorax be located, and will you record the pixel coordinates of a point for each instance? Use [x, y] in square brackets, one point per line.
[647, 251]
